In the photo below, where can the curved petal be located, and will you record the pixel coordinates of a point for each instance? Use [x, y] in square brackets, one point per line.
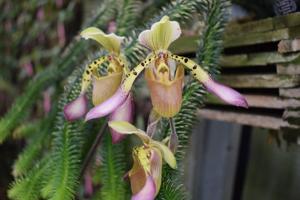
[156, 167]
[104, 87]
[111, 41]
[124, 127]
[107, 106]
[76, 109]
[225, 93]
[166, 152]
[125, 113]
[148, 192]
[161, 34]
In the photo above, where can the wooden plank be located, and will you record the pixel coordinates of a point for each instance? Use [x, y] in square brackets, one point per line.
[257, 120]
[254, 59]
[261, 81]
[255, 38]
[213, 156]
[286, 46]
[262, 101]
[258, 38]
[288, 68]
[290, 20]
[264, 25]
[290, 92]
[250, 27]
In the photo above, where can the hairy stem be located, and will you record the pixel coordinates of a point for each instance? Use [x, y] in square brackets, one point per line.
[93, 148]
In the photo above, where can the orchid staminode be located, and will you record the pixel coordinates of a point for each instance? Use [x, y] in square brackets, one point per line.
[104, 86]
[145, 175]
[164, 73]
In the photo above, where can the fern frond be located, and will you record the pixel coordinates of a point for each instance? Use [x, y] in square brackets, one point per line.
[28, 156]
[26, 129]
[66, 151]
[111, 171]
[28, 187]
[128, 15]
[171, 190]
[210, 45]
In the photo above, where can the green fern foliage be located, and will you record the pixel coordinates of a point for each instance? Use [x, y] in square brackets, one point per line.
[54, 73]
[215, 14]
[28, 187]
[128, 15]
[112, 170]
[66, 150]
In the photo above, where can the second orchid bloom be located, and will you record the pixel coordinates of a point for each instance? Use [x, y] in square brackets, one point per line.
[104, 86]
[145, 175]
[164, 75]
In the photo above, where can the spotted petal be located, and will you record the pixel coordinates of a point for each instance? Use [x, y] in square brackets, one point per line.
[111, 41]
[161, 34]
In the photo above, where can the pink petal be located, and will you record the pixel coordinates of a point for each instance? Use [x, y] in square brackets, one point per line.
[227, 94]
[76, 109]
[147, 192]
[123, 113]
[108, 106]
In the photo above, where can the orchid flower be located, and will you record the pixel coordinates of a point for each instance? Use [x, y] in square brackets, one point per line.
[164, 73]
[104, 86]
[145, 175]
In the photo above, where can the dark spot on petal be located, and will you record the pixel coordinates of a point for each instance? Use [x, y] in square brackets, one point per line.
[134, 73]
[143, 64]
[186, 60]
[195, 67]
[95, 62]
[87, 72]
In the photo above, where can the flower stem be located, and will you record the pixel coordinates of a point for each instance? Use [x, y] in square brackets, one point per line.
[173, 143]
[93, 148]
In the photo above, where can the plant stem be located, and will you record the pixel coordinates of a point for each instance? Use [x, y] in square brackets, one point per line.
[172, 125]
[173, 137]
[93, 148]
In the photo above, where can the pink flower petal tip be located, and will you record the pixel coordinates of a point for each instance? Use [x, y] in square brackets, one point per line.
[122, 113]
[147, 192]
[225, 93]
[108, 106]
[76, 109]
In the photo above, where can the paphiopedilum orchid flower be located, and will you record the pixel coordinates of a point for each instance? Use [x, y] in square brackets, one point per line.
[145, 175]
[104, 86]
[164, 74]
